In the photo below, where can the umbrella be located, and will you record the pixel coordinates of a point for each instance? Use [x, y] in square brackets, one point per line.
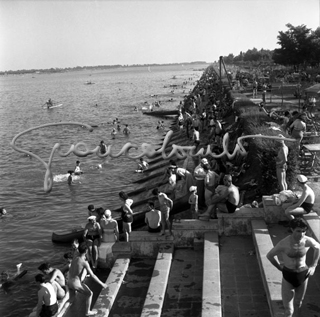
[313, 89]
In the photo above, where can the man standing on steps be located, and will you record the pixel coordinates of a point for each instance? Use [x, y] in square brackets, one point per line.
[166, 205]
[200, 173]
[75, 284]
[294, 269]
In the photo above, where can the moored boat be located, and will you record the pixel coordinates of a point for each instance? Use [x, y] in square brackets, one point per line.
[162, 113]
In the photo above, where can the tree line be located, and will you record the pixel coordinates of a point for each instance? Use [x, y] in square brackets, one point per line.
[299, 48]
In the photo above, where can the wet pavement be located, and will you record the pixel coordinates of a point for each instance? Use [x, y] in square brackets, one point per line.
[242, 288]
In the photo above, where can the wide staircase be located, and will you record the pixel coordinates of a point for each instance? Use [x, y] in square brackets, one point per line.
[209, 268]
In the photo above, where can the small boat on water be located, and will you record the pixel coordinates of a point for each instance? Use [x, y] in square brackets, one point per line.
[89, 83]
[161, 113]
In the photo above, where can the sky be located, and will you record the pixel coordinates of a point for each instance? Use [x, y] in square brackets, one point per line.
[48, 33]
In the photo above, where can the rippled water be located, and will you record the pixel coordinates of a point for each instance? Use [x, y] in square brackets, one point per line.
[25, 234]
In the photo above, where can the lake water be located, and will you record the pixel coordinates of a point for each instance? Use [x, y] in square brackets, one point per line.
[25, 233]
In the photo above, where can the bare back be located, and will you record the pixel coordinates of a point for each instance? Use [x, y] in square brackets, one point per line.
[233, 195]
[76, 267]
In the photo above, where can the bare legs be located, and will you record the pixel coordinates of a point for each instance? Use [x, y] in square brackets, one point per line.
[292, 212]
[292, 297]
[281, 176]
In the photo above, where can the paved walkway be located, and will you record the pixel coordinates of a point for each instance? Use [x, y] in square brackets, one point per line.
[242, 289]
[131, 296]
[184, 292]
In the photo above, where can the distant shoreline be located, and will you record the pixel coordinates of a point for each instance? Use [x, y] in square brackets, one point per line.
[80, 68]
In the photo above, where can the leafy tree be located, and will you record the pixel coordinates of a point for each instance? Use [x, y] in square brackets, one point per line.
[296, 46]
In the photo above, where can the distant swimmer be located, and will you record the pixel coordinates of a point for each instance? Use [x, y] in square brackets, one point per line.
[2, 212]
[103, 147]
[70, 177]
[113, 133]
[126, 130]
[77, 170]
[49, 103]
[135, 109]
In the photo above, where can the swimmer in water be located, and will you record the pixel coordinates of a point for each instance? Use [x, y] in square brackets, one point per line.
[118, 127]
[113, 133]
[2, 212]
[70, 177]
[126, 130]
[7, 281]
[77, 170]
[49, 103]
[143, 165]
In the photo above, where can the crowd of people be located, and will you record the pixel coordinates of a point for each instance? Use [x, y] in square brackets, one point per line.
[210, 189]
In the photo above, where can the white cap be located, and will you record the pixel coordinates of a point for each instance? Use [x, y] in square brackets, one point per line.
[302, 178]
[192, 188]
[92, 218]
[107, 213]
[204, 161]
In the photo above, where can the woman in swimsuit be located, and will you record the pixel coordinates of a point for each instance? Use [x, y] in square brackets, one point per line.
[295, 272]
[92, 236]
[127, 215]
[306, 201]
[109, 227]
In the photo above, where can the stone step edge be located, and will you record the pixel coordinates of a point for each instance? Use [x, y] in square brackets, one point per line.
[158, 284]
[114, 281]
[211, 284]
[313, 221]
[271, 277]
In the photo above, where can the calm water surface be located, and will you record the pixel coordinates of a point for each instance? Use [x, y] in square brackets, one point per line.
[25, 234]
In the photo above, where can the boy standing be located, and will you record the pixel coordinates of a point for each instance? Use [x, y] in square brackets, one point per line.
[193, 201]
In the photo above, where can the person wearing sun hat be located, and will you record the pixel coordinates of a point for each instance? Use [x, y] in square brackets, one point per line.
[305, 204]
[92, 235]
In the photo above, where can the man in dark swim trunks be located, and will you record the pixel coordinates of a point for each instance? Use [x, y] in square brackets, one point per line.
[226, 200]
[305, 204]
[294, 269]
[47, 298]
